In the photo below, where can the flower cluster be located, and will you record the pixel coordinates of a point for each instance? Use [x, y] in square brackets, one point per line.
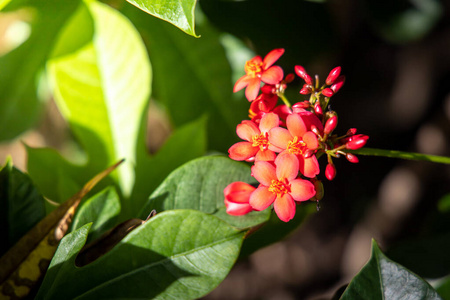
[285, 141]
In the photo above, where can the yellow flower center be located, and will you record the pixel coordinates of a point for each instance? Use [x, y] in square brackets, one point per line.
[280, 187]
[296, 147]
[253, 68]
[261, 141]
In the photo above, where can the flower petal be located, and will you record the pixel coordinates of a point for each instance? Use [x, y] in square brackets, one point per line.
[302, 190]
[261, 198]
[253, 89]
[242, 83]
[273, 75]
[280, 137]
[272, 57]
[309, 166]
[237, 209]
[264, 172]
[286, 166]
[265, 155]
[310, 138]
[269, 121]
[284, 207]
[238, 192]
[247, 130]
[242, 151]
[296, 125]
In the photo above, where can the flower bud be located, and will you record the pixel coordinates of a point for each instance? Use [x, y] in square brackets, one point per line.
[330, 172]
[318, 110]
[308, 154]
[357, 141]
[334, 74]
[338, 84]
[289, 78]
[268, 89]
[301, 105]
[351, 131]
[330, 125]
[352, 158]
[305, 90]
[327, 92]
[300, 71]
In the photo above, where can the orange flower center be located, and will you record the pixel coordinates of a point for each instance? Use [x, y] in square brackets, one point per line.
[253, 68]
[261, 141]
[296, 147]
[280, 187]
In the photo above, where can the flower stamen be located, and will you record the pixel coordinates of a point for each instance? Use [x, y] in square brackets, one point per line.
[296, 147]
[253, 68]
[261, 141]
[280, 187]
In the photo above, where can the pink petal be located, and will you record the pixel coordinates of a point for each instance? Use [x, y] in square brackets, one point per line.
[247, 130]
[269, 121]
[237, 209]
[242, 151]
[273, 75]
[309, 166]
[280, 137]
[311, 141]
[238, 192]
[253, 89]
[264, 172]
[284, 207]
[272, 57]
[287, 166]
[262, 198]
[302, 190]
[296, 125]
[242, 83]
[266, 155]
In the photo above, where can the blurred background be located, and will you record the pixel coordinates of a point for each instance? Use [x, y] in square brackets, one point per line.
[396, 59]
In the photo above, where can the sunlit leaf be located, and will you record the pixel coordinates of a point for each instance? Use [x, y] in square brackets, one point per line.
[381, 278]
[178, 12]
[153, 259]
[199, 185]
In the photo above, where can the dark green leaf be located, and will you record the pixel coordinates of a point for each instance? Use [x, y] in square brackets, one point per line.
[153, 259]
[102, 209]
[184, 144]
[192, 78]
[381, 278]
[21, 206]
[19, 105]
[402, 155]
[179, 13]
[199, 185]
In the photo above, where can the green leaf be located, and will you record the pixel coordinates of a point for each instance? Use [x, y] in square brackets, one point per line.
[103, 89]
[102, 209]
[199, 185]
[153, 259]
[402, 155]
[179, 13]
[381, 278]
[21, 205]
[192, 78]
[184, 144]
[19, 105]
[443, 288]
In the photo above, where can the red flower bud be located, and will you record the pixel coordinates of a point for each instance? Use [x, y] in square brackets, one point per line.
[301, 105]
[308, 154]
[289, 78]
[268, 89]
[338, 84]
[327, 92]
[330, 125]
[305, 90]
[300, 71]
[334, 74]
[351, 131]
[315, 130]
[357, 141]
[352, 158]
[318, 110]
[330, 172]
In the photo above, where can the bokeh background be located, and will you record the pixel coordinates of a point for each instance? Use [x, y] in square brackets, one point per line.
[396, 59]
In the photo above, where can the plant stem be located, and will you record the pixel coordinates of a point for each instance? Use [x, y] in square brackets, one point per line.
[285, 100]
[402, 155]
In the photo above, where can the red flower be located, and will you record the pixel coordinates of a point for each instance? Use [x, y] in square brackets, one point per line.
[298, 140]
[258, 70]
[280, 186]
[257, 145]
[237, 195]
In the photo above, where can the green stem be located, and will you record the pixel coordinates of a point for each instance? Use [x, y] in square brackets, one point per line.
[402, 155]
[285, 100]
